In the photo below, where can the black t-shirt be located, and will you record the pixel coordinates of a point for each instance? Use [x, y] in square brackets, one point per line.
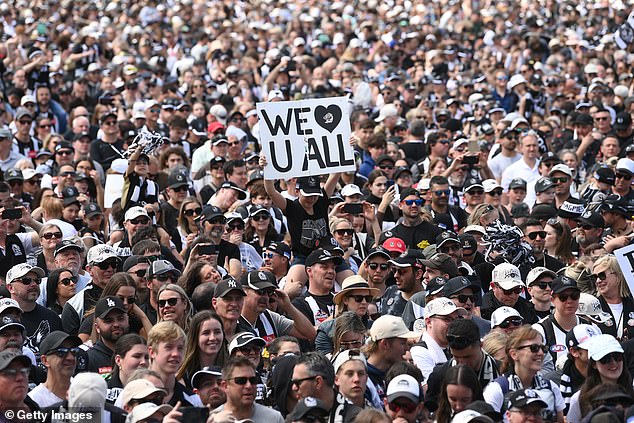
[170, 217]
[325, 304]
[306, 229]
[227, 249]
[38, 324]
[419, 236]
[104, 153]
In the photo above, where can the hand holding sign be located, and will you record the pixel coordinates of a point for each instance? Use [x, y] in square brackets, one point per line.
[308, 137]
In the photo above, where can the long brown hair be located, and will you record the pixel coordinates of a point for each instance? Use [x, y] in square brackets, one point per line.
[191, 362]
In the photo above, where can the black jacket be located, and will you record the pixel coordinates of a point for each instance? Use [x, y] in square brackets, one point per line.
[490, 304]
[626, 319]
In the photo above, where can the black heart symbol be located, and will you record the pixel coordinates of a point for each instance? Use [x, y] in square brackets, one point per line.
[328, 117]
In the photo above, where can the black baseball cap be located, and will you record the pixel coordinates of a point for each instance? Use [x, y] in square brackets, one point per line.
[321, 255]
[108, 304]
[227, 285]
[280, 248]
[592, 218]
[54, 339]
[563, 282]
[517, 183]
[176, 180]
[258, 279]
[66, 244]
[411, 257]
[457, 284]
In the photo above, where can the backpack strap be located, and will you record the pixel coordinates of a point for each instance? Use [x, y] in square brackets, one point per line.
[549, 331]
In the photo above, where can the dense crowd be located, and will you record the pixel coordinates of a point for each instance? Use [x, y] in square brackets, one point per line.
[474, 268]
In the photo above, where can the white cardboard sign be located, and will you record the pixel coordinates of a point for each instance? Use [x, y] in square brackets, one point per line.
[625, 258]
[306, 137]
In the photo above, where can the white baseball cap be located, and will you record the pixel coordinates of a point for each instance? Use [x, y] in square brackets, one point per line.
[349, 190]
[348, 355]
[563, 168]
[601, 345]
[390, 327]
[134, 212]
[404, 386]
[507, 276]
[442, 306]
[388, 110]
[590, 306]
[581, 335]
[501, 314]
[7, 303]
[490, 184]
[535, 274]
[20, 270]
[471, 416]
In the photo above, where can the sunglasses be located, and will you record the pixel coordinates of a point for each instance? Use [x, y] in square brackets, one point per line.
[418, 202]
[534, 348]
[218, 221]
[15, 182]
[105, 265]
[625, 176]
[383, 266]
[269, 255]
[386, 167]
[250, 350]
[560, 180]
[25, 122]
[184, 188]
[128, 300]
[239, 227]
[33, 181]
[192, 212]
[573, 296]
[63, 352]
[242, 380]
[269, 292]
[234, 143]
[13, 373]
[165, 278]
[51, 235]
[344, 232]
[140, 221]
[140, 273]
[495, 193]
[64, 152]
[28, 281]
[171, 301]
[68, 281]
[444, 142]
[601, 276]
[360, 298]
[463, 298]
[511, 322]
[534, 235]
[442, 192]
[448, 248]
[542, 285]
[601, 118]
[475, 192]
[616, 357]
[110, 123]
[517, 290]
[260, 217]
[45, 126]
[408, 407]
[304, 379]
[586, 227]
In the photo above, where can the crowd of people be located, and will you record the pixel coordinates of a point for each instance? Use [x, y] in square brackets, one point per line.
[465, 272]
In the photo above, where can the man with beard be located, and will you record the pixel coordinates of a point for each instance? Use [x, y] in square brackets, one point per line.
[561, 175]
[213, 223]
[506, 287]
[135, 218]
[206, 383]
[317, 304]
[102, 263]
[535, 235]
[416, 232]
[589, 230]
[111, 323]
[439, 187]
[624, 173]
[376, 269]
[408, 273]
[462, 291]
[506, 155]
[23, 282]
[449, 243]
[67, 255]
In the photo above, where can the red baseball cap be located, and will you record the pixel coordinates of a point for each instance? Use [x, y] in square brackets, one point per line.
[394, 245]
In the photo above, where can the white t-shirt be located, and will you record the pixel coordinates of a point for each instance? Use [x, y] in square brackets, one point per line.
[493, 395]
[427, 358]
[43, 397]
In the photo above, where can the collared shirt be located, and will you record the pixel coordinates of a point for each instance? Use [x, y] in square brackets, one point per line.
[426, 358]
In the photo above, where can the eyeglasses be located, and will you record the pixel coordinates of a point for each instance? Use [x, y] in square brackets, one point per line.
[183, 188]
[360, 298]
[242, 380]
[418, 202]
[344, 232]
[463, 298]
[62, 352]
[495, 193]
[192, 212]
[517, 290]
[238, 227]
[383, 266]
[105, 265]
[28, 281]
[408, 407]
[297, 382]
[574, 296]
[51, 235]
[442, 192]
[511, 322]
[533, 235]
[534, 348]
[260, 217]
[128, 300]
[475, 192]
[13, 373]
[602, 275]
[140, 221]
[386, 167]
[171, 301]
[542, 285]
[625, 176]
[616, 357]
[560, 180]
[68, 281]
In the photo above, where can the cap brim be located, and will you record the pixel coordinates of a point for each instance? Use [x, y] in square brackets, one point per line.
[223, 293]
[407, 395]
[310, 194]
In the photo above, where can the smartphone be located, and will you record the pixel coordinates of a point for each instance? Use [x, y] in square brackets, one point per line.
[353, 208]
[12, 214]
[470, 159]
[389, 183]
[194, 414]
[207, 249]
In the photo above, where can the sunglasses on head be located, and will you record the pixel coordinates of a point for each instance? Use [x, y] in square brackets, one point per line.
[517, 290]
[104, 265]
[615, 356]
[511, 322]
[242, 380]
[458, 342]
[383, 266]
[534, 348]
[192, 212]
[260, 217]
[68, 281]
[171, 301]
[533, 235]
[344, 232]
[51, 235]
[419, 202]
[573, 296]
[408, 407]
[463, 298]
[62, 352]
[360, 298]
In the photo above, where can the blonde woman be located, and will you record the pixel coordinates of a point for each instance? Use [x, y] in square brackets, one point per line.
[615, 297]
[174, 305]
